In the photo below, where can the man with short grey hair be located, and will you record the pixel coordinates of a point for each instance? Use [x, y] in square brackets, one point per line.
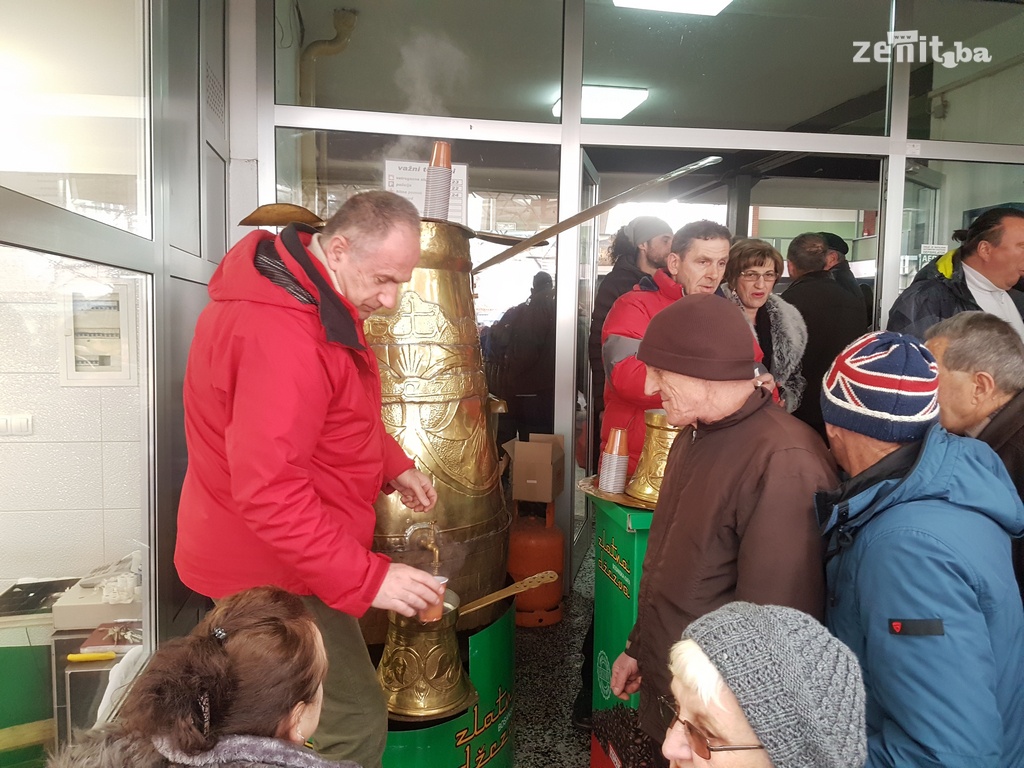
[920, 583]
[981, 391]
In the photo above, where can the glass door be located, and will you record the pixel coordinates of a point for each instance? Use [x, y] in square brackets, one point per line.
[585, 431]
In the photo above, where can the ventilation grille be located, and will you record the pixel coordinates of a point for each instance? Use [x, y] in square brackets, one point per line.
[214, 93]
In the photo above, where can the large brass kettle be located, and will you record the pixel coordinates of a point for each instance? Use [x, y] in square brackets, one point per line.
[421, 671]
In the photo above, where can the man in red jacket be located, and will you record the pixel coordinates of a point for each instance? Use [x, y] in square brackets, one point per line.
[287, 450]
[696, 264]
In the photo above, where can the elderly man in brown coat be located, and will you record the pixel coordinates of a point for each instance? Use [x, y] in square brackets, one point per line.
[981, 391]
[735, 516]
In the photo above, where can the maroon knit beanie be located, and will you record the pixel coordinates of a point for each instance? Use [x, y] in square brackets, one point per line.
[703, 336]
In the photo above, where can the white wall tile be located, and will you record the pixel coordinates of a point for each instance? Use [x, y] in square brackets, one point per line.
[28, 275]
[50, 544]
[120, 413]
[43, 476]
[59, 414]
[123, 530]
[122, 475]
[30, 342]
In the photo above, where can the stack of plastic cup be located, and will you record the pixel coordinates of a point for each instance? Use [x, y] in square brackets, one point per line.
[614, 462]
[439, 182]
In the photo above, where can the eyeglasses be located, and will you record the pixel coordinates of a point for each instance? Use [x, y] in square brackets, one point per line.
[752, 277]
[699, 742]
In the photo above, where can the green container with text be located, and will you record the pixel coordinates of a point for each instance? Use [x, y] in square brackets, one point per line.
[481, 736]
[620, 543]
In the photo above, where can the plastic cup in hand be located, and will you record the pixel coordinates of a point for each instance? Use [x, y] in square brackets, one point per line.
[434, 612]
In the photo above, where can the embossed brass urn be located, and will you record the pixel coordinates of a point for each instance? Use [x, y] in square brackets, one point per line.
[436, 404]
[650, 469]
[421, 672]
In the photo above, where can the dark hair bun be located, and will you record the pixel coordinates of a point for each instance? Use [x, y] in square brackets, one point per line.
[960, 235]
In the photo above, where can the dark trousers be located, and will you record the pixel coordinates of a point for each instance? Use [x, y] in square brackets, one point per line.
[354, 720]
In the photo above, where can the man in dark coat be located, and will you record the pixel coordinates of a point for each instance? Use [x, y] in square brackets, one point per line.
[750, 533]
[834, 317]
[531, 360]
[981, 391]
[982, 274]
[842, 272]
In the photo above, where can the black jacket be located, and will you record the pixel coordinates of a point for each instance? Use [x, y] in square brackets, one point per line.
[939, 291]
[834, 318]
[842, 273]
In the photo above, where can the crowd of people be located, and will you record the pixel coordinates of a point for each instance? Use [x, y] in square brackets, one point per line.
[858, 504]
[830, 577]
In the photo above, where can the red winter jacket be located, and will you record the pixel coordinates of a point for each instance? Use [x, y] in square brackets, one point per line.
[624, 398]
[625, 376]
[287, 451]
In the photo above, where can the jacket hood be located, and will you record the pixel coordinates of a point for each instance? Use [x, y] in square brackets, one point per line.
[960, 471]
[237, 279]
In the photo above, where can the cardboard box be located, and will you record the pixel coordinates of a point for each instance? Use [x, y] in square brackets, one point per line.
[538, 467]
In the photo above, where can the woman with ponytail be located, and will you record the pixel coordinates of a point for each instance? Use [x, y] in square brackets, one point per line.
[244, 688]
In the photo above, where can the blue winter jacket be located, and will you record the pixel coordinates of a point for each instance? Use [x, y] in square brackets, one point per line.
[921, 587]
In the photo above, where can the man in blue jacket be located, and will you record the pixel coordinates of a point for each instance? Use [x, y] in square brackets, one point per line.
[919, 577]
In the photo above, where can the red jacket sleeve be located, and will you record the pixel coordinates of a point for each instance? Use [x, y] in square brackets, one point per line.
[280, 397]
[626, 323]
[395, 460]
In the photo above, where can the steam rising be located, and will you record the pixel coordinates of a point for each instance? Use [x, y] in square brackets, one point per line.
[433, 69]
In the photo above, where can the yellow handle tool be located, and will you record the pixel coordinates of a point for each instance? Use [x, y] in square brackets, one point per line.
[105, 656]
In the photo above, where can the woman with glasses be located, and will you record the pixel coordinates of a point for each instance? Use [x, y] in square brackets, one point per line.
[750, 275]
[756, 686]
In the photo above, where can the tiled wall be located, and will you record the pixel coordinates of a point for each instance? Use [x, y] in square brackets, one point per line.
[72, 494]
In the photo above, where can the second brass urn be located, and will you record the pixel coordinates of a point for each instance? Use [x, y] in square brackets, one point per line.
[646, 481]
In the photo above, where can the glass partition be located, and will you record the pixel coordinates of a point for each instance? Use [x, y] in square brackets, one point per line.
[758, 65]
[75, 442]
[942, 196]
[970, 60]
[509, 189]
[74, 83]
[459, 58]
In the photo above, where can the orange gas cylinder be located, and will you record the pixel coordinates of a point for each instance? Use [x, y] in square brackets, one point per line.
[535, 545]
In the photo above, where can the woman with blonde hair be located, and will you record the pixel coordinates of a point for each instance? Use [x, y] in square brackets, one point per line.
[763, 686]
[778, 326]
[243, 689]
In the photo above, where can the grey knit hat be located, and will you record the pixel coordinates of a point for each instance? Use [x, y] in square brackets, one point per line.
[799, 687]
[644, 228]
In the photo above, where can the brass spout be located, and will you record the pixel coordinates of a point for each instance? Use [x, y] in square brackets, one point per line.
[424, 536]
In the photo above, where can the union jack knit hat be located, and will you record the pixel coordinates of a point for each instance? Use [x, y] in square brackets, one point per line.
[884, 385]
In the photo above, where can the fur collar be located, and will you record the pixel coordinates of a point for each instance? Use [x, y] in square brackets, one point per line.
[111, 748]
[789, 340]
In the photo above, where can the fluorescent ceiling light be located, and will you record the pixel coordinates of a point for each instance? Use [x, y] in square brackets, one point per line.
[607, 102]
[696, 7]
